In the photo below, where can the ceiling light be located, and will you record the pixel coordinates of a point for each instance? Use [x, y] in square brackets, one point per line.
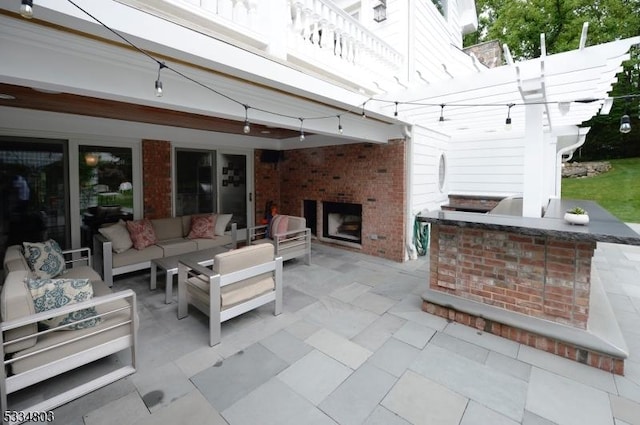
[26, 9]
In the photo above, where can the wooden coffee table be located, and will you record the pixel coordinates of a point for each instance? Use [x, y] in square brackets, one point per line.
[170, 267]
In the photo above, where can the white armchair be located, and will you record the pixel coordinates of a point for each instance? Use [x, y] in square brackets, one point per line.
[293, 242]
[241, 280]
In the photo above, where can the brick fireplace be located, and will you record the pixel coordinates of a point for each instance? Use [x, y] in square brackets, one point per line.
[365, 174]
[342, 223]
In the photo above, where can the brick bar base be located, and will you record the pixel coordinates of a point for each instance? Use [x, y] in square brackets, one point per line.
[591, 358]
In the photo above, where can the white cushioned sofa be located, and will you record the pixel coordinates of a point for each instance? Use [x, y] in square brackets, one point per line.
[113, 257]
[41, 340]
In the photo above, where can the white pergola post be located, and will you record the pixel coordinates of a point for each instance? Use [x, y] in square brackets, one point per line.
[534, 159]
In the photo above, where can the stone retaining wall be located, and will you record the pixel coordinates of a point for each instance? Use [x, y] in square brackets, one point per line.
[585, 169]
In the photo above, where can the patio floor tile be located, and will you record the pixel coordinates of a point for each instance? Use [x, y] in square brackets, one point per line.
[422, 401]
[193, 408]
[394, 356]
[238, 375]
[340, 348]
[508, 365]
[477, 414]
[414, 334]
[483, 339]
[274, 403]
[533, 419]
[350, 292]
[374, 302]
[315, 376]
[626, 410]
[198, 360]
[342, 318]
[160, 387]
[377, 333]
[357, 397]
[461, 347]
[128, 409]
[565, 401]
[286, 346]
[383, 416]
[568, 368]
[500, 392]
[302, 329]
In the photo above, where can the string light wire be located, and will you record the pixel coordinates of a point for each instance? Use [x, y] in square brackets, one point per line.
[162, 65]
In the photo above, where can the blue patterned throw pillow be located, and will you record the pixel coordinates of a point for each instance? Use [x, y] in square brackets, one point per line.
[44, 258]
[48, 294]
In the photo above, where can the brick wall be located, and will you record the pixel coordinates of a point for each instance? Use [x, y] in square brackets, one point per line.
[542, 277]
[267, 185]
[369, 174]
[156, 178]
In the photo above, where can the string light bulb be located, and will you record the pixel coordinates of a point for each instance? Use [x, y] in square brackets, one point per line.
[339, 124]
[441, 119]
[26, 9]
[247, 127]
[301, 129]
[159, 89]
[507, 122]
[395, 113]
[364, 114]
[625, 124]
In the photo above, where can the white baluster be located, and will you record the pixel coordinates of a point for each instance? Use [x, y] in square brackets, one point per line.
[252, 12]
[296, 16]
[210, 5]
[315, 23]
[340, 37]
[306, 21]
[225, 9]
[240, 12]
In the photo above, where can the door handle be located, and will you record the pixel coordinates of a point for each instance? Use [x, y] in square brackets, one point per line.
[250, 197]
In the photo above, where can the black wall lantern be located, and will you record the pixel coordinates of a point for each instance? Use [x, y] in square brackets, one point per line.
[380, 11]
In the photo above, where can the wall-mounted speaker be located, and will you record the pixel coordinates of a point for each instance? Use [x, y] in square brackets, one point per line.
[271, 156]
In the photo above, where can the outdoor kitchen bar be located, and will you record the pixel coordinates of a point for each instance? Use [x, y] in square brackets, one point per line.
[529, 279]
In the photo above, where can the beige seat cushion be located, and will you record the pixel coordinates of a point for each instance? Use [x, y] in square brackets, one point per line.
[232, 261]
[177, 246]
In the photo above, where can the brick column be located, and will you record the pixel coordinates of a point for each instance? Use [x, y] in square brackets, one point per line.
[156, 178]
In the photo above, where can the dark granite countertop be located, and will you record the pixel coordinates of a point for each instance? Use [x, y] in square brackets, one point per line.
[602, 227]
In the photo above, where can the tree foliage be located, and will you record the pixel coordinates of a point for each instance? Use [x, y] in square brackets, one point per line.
[519, 23]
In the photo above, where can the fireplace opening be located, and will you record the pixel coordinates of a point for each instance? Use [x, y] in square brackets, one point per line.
[342, 221]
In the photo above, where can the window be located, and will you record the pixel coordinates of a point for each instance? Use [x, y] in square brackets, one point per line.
[441, 5]
[105, 177]
[106, 187]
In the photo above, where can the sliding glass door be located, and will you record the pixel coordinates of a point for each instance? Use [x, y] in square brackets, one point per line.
[34, 185]
[195, 182]
[214, 181]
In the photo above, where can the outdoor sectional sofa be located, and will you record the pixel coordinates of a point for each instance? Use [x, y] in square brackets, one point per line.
[33, 353]
[172, 239]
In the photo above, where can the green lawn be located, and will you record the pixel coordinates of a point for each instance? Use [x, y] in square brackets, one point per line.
[618, 190]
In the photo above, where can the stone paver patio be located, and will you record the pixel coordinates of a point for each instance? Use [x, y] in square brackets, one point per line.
[353, 347]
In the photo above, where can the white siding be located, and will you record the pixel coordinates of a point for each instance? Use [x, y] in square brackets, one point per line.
[486, 167]
[426, 148]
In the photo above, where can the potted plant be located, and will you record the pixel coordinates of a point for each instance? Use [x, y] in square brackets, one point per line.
[576, 215]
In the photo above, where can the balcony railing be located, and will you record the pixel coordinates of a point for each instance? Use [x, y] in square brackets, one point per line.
[320, 28]
[313, 33]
